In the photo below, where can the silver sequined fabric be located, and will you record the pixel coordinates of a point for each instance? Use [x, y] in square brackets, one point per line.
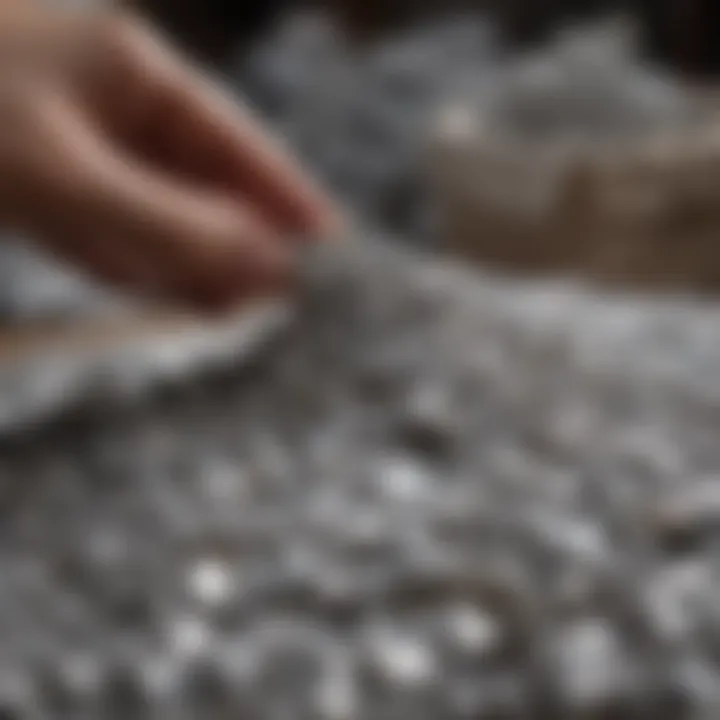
[437, 495]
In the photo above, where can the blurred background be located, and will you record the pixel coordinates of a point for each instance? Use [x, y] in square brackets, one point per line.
[531, 134]
[527, 135]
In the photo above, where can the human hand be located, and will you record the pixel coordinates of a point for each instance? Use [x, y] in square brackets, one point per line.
[123, 159]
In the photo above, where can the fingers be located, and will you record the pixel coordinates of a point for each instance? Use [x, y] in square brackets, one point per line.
[234, 150]
[192, 127]
[134, 226]
[201, 216]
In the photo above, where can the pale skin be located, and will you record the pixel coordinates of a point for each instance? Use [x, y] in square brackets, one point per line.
[121, 157]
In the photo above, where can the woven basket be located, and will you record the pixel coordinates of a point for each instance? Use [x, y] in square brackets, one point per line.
[638, 210]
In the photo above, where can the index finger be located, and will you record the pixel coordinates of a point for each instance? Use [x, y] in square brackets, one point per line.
[254, 160]
[210, 135]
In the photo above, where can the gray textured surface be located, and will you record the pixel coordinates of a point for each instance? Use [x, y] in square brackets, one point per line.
[57, 378]
[37, 288]
[440, 496]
